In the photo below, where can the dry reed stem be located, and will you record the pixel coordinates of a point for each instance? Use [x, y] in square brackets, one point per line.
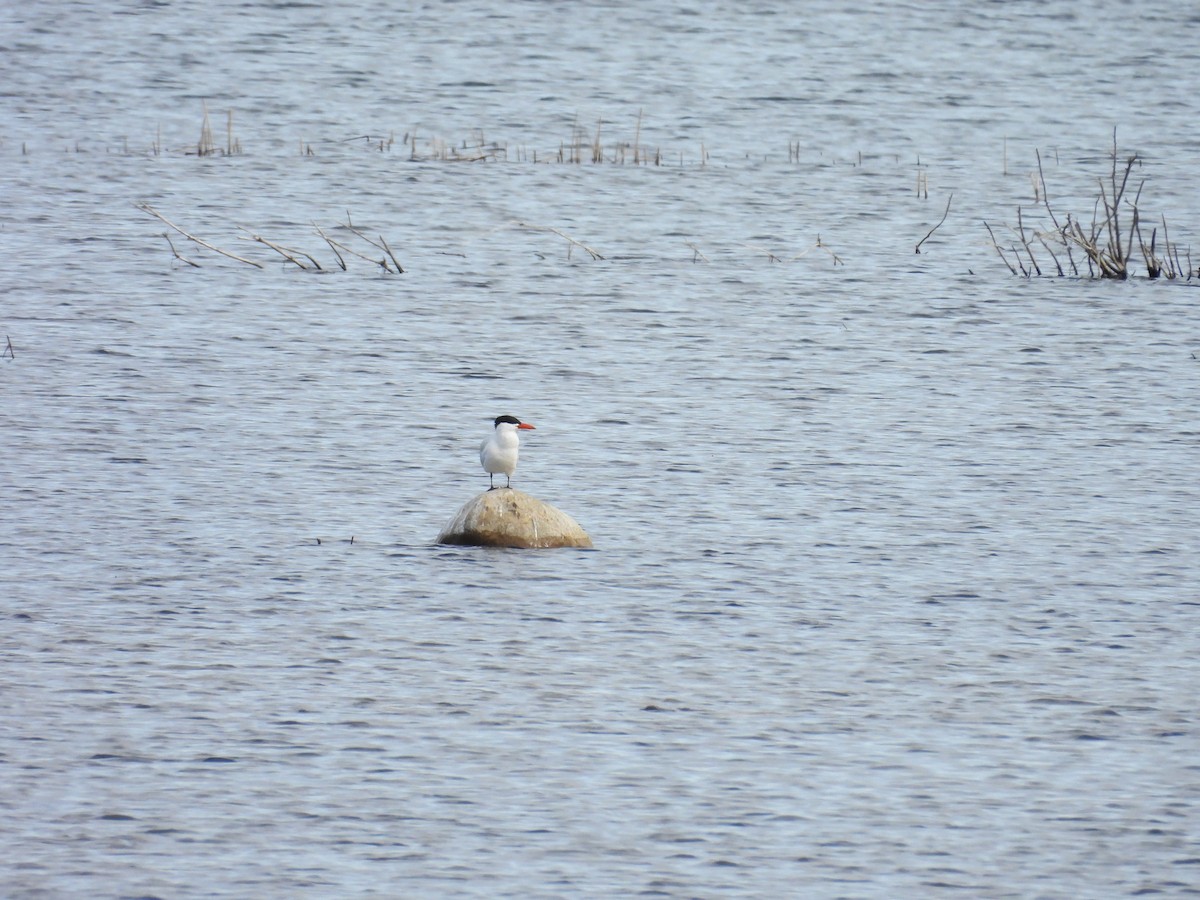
[207, 146]
[1173, 250]
[1154, 266]
[1174, 270]
[583, 141]
[820, 245]
[571, 242]
[769, 254]
[338, 245]
[382, 245]
[998, 248]
[8, 350]
[597, 150]
[179, 256]
[637, 138]
[388, 250]
[775, 258]
[1045, 194]
[1025, 243]
[1042, 240]
[286, 252]
[332, 246]
[150, 210]
[1169, 265]
[576, 140]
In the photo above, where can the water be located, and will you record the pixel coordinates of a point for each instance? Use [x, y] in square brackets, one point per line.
[893, 592]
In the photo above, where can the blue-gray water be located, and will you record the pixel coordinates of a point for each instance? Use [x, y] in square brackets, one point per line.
[895, 588]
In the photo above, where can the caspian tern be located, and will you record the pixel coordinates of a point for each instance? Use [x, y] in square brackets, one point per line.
[499, 452]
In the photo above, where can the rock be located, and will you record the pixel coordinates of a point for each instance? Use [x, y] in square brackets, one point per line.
[507, 517]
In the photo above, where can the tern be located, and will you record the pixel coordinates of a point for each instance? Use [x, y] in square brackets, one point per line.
[499, 452]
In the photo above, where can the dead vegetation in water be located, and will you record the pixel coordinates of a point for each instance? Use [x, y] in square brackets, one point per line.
[207, 145]
[787, 258]
[585, 144]
[347, 243]
[386, 261]
[1104, 248]
[603, 143]
[571, 242]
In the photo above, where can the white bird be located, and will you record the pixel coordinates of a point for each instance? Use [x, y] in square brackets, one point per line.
[499, 452]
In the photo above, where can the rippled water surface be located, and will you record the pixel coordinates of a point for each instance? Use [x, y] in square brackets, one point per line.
[894, 588]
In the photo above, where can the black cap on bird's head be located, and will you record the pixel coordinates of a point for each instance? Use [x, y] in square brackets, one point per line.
[512, 420]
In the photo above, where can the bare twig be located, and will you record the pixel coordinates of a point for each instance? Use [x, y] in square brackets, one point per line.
[8, 350]
[938, 225]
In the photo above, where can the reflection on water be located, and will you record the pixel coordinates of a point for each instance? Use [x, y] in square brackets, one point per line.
[891, 593]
